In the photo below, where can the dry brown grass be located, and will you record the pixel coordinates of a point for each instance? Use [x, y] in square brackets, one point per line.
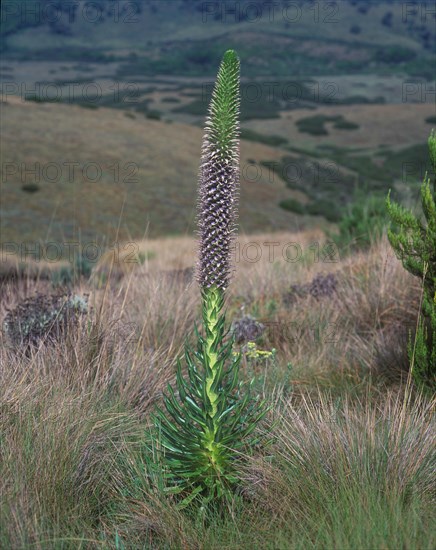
[152, 192]
[150, 309]
[386, 442]
[77, 461]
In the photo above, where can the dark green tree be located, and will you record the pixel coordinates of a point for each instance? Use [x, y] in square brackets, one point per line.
[414, 242]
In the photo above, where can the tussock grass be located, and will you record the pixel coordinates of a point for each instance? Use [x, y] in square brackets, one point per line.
[351, 460]
[343, 474]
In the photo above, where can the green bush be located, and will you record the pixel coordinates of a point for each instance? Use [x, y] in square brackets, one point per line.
[394, 54]
[324, 207]
[92, 106]
[292, 205]
[314, 125]
[30, 187]
[345, 125]
[170, 100]
[363, 222]
[153, 115]
[274, 141]
[414, 243]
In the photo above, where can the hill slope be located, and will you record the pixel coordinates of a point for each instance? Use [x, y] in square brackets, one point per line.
[97, 169]
[175, 37]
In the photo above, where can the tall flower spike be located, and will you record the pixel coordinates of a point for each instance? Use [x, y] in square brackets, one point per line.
[209, 424]
[219, 178]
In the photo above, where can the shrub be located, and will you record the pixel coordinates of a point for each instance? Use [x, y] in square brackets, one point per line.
[92, 106]
[363, 222]
[293, 206]
[321, 286]
[247, 329]
[313, 125]
[153, 115]
[324, 207]
[345, 125]
[274, 141]
[71, 274]
[42, 318]
[387, 19]
[394, 54]
[415, 244]
[170, 99]
[30, 187]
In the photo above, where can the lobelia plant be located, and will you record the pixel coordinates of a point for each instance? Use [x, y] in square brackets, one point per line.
[209, 423]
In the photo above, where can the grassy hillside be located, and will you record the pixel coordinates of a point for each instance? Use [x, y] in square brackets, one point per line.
[102, 175]
[85, 174]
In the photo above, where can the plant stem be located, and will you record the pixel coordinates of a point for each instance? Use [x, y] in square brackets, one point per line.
[213, 299]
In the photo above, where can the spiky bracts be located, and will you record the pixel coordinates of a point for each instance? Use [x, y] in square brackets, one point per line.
[219, 178]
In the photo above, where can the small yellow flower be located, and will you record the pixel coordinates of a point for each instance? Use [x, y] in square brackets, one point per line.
[252, 352]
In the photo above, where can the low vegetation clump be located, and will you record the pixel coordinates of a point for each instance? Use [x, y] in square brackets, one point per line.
[43, 318]
[315, 125]
[363, 222]
[274, 141]
[293, 206]
[68, 275]
[322, 207]
[322, 286]
[246, 329]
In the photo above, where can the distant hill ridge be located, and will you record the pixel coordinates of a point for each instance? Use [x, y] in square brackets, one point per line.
[174, 36]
